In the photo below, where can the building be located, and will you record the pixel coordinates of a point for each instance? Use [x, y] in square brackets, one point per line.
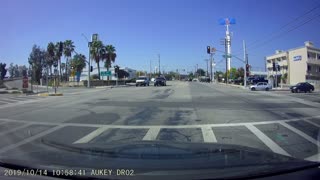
[300, 64]
[84, 74]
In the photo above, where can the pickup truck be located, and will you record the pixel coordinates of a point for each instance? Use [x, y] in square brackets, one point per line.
[142, 81]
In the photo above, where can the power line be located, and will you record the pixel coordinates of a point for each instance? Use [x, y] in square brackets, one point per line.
[287, 24]
[283, 33]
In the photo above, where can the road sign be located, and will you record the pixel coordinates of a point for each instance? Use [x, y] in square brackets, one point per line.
[25, 82]
[105, 73]
[213, 50]
[228, 56]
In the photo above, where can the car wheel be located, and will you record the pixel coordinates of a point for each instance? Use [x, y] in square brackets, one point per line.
[136, 85]
[253, 89]
[267, 89]
[310, 90]
[292, 91]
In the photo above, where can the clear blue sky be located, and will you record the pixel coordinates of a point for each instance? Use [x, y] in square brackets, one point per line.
[179, 30]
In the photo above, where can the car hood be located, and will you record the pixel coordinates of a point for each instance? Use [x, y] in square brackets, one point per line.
[158, 158]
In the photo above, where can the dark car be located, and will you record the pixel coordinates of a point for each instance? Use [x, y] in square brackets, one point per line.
[302, 87]
[160, 81]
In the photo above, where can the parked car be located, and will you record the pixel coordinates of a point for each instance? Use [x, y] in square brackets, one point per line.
[261, 86]
[302, 87]
[142, 81]
[195, 80]
[160, 81]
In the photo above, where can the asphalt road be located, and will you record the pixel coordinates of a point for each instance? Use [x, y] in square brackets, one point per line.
[182, 111]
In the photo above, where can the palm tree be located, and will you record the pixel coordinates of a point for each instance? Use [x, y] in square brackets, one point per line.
[50, 55]
[97, 52]
[109, 56]
[58, 55]
[67, 52]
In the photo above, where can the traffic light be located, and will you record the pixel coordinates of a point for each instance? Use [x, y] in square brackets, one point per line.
[208, 49]
[274, 66]
[91, 68]
[116, 69]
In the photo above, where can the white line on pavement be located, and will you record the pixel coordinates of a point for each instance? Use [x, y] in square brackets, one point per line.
[266, 140]
[151, 134]
[315, 158]
[208, 135]
[32, 138]
[91, 135]
[163, 126]
[315, 124]
[297, 131]
[15, 129]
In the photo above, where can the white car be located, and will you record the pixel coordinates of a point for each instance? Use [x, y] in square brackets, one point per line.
[153, 79]
[261, 86]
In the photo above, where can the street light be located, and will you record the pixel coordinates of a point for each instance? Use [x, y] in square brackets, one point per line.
[89, 66]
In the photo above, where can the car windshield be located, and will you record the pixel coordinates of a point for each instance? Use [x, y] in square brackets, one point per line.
[162, 89]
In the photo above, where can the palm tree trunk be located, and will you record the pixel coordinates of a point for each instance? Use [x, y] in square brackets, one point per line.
[108, 76]
[60, 69]
[67, 69]
[98, 71]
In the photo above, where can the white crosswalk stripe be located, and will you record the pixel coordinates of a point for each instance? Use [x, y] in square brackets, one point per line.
[151, 133]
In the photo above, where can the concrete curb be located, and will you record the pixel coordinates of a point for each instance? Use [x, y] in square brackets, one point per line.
[48, 94]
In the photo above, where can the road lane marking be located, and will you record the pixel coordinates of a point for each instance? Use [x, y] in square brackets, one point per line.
[266, 140]
[297, 131]
[151, 134]
[208, 135]
[162, 126]
[91, 135]
[315, 158]
[15, 129]
[30, 139]
[315, 124]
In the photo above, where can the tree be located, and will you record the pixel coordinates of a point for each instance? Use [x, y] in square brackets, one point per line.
[140, 73]
[201, 72]
[50, 56]
[97, 52]
[11, 70]
[109, 56]
[67, 52]
[63, 68]
[232, 73]
[240, 73]
[191, 75]
[78, 62]
[3, 70]
[122, 74]
[22, 70]
[37, 60]
[58, 55]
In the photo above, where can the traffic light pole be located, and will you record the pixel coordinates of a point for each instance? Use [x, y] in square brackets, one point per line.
[89, 68]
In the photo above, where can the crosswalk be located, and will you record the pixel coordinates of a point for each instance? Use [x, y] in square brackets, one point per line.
[6, 100]
[298, 137]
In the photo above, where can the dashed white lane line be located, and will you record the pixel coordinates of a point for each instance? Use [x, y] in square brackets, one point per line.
[151, 134]
[15, 129]
[91, 135]
[315, 124]
[28, 140]
[208, 135]
[266, 140]
[297, 131]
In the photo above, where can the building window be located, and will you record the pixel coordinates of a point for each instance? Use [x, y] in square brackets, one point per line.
[308, 68]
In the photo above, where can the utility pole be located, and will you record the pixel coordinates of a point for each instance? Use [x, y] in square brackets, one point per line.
[207, 67]
[226, 56]
[211, 72]
[159, 64]
[150, 70]
[245, 64]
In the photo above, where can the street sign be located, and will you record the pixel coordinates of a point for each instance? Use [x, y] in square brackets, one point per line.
[105, 73]
[25, 82]
[213, 50]
[94, 37]
[228, 56]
